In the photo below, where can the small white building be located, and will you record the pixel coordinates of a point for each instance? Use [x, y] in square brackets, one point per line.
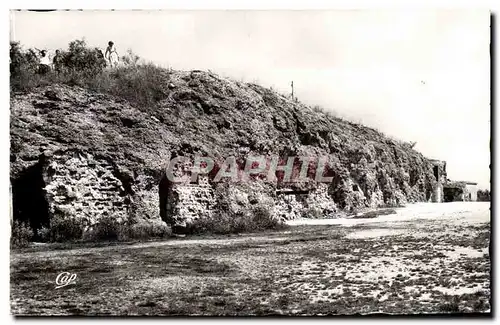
[470, 191]
[460, 191]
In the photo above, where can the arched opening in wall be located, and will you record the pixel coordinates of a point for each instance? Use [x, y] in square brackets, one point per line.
[29, 204]
[164, 190]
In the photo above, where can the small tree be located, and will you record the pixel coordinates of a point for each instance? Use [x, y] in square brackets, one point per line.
[16, 58]
[130, 59]
[23, 65]
[82, 59]
[483, 195]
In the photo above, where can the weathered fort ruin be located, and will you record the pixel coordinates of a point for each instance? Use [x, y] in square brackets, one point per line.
[194, 200]
[446, 190]
[81, 186]
[183, 202]
[82, 155]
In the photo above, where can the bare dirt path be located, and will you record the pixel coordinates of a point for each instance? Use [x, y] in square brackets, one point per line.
[171, 242]
[427, 258]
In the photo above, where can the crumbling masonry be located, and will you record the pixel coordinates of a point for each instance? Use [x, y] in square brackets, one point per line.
[82, 186]
[447, 190]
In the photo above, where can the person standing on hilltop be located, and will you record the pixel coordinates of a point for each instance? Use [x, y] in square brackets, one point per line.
[111, 55]
[57, 61]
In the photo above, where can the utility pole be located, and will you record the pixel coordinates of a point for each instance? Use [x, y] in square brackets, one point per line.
[292, 89]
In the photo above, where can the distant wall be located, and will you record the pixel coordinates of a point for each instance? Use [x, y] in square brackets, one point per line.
[471, 192]
[460, 191]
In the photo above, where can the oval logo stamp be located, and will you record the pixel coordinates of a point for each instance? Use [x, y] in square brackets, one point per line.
[64, 279]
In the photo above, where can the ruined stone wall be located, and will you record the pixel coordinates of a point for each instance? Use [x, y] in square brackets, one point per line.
[439, 171]
[319, 200]
[80, 186]
[188, 202]
[453, 192]
[437, 193]
[316, 203]
[289, 207]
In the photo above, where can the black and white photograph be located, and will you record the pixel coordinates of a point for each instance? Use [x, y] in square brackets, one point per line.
[176, 162]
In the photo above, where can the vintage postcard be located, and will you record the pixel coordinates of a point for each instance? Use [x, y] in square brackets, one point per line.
[250, 162]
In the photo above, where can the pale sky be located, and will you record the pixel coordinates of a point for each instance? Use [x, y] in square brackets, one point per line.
[419, 76]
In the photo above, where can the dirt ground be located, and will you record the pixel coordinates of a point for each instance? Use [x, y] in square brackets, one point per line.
[426, 258]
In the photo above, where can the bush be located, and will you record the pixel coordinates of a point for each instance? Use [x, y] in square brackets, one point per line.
[44, 234]
[64, 229]
[206, 225]
[82, 59]
[314, 213]
[483, 195]
[149, 229]
[107, 228]
[262, 219]
[258, 219]
[130, 59]
[23, 67]
[21, 234]
[143, 85]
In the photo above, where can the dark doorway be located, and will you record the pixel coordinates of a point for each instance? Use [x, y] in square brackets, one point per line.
[167, 199]
[452, 194]
[163, 190]
[447, 195]
[436, 172]
[29, 204]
